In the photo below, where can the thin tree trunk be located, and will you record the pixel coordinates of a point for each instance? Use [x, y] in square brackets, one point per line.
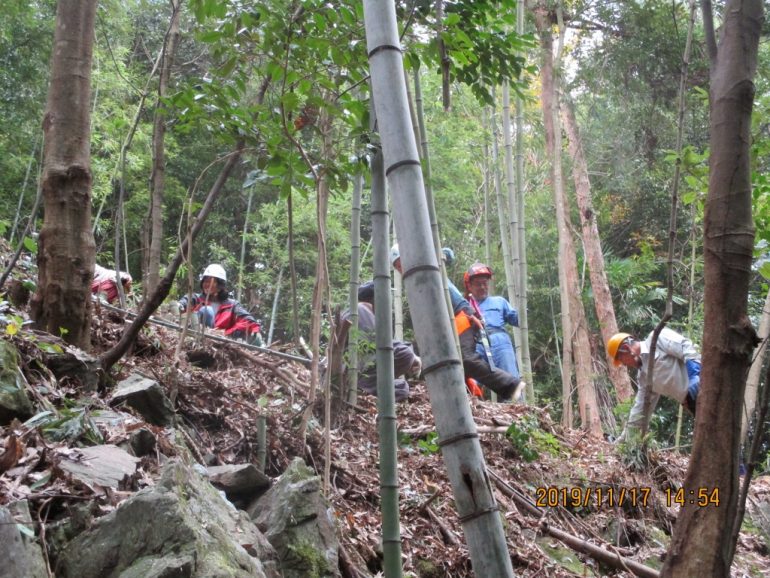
[501, 211]
[459, 442]
[355, 282]
[239, 286]
[153, 301]
[752, 382]
[565, 241]
[320, 288]
[510, 186]
[698, 545]
[513, 216]
[425, 156]
[66, 248]
[17, 217]
[292, 270]
[526, 361]
[158, 176]
[443, 55]
[274, 311]
[386, 393]
[487, 200]
[574, 322]
[605, 312]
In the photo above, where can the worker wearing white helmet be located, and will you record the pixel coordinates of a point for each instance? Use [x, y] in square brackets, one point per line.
[216, 309]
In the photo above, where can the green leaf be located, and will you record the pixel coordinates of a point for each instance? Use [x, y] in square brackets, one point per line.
[30, 244]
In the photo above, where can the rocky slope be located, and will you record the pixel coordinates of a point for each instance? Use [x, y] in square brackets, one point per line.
[203, 411]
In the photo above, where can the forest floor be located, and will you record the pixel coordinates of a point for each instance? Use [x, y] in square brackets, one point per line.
[526, 454]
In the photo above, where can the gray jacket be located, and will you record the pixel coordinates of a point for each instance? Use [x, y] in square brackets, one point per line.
[670, 377]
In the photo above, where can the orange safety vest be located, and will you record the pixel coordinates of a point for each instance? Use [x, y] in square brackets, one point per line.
[462, 322]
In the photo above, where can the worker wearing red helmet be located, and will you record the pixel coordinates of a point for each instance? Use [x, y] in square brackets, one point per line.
[495, 312]
[505, 385]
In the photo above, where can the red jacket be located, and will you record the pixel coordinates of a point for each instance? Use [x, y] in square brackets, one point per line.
[231, 316]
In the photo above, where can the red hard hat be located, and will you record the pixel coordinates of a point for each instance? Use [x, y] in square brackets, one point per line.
[476, 270]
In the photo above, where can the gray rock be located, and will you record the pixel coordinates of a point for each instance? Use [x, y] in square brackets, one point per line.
[21, 555]
[14, 402]
[106, 466]
[295, 518]
[146, 396]
[182, 527]
[75, 364]
[142, 442]
[239, 482]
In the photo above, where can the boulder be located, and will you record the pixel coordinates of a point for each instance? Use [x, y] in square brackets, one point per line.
[105, 466]
[142, 442]
[239, 481]
[296, 519]
[14, 402]
[72, 363]
[147, 397]
[182, 527]
[20, 553]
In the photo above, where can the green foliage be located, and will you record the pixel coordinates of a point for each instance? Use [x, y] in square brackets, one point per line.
[522, 439]
[67, 424]
[429, 445]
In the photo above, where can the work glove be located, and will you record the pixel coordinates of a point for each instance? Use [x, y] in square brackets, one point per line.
[693, 374]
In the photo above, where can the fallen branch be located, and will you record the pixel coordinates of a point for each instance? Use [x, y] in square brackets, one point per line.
[212, 336]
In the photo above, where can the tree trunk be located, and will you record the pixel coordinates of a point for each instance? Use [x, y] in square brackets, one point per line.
[459, 442]
[752, 382]
[526, 361]
[573, 320]
[158, 176]
[386, 393]
[355, 283]
[153, 301]
[66, 249]
[605, 312]
[699, 546]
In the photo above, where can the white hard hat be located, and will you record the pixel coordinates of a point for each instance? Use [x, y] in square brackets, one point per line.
[216, 271]
[394, 254]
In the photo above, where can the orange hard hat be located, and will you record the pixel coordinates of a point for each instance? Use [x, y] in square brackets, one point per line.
[614, 344]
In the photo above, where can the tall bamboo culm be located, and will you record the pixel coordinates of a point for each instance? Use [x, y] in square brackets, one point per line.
[458, 439]
[386, 394]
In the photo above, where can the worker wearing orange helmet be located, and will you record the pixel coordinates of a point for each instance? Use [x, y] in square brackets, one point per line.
[495, 311]
[676, 373]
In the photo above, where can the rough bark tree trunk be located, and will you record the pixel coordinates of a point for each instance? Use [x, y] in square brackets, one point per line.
[699, 545]
[158, 176]
[66, 249]
[605, 312]
[574, 320]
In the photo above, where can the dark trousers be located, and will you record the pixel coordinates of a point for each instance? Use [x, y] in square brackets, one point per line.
[475, 366]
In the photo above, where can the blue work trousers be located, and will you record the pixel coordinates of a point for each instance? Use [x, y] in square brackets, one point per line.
[503, 352]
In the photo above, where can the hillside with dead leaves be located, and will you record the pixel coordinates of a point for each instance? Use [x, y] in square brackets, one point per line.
[571, 507]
